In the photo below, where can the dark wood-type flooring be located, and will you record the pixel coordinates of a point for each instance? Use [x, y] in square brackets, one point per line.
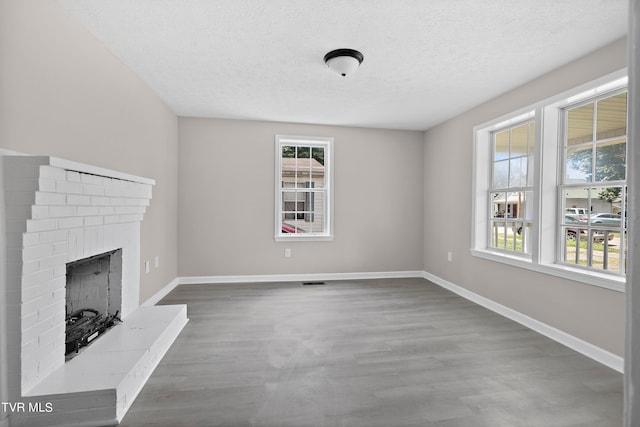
[388, 353]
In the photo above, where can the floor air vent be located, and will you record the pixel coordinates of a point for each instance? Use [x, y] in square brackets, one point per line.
[312, 283]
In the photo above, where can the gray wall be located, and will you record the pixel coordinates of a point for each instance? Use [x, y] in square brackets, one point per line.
[226, 201]
[591, 313]
[64, 94]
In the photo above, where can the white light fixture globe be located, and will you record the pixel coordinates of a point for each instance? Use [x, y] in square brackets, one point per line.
[343, 61]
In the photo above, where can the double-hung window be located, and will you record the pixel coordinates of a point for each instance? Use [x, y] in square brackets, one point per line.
[593, 189]
[511, 192]
[549, 185]
[303, 188]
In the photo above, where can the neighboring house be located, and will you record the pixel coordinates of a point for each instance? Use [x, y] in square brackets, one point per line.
[302, 206]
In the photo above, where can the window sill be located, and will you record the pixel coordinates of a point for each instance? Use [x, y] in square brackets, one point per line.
[594, 278]
[303, 238]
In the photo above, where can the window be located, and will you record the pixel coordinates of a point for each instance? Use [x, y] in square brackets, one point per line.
[303, 188]
[511, 193]
[593, 188]
[552, 198]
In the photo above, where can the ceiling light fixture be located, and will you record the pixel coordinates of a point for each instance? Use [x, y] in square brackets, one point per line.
[343, 61]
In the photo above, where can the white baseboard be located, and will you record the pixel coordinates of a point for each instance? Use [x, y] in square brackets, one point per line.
[596, 353]
[269, 278]
[160, 294]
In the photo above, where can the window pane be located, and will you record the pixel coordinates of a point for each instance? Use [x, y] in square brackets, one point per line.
[580, 125]
[606, 250]
[612, 117]
[532, 138]
[501, 174]
[578, 164]
[606, 203]
[501, 145]
[519, 140]
[518, 172]
[611, 158]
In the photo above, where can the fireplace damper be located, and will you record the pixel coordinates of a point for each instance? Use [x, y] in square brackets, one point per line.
[93, 299]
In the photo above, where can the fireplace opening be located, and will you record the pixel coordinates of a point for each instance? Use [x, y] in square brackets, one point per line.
[93, 299]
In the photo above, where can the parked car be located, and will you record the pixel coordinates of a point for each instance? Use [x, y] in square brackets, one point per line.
[598, 235]
[606, 219]
[581, 214]
[288, 229]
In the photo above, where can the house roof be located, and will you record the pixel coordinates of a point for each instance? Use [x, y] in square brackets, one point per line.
[291, 165]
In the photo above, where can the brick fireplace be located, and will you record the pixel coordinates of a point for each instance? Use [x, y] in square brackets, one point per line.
[59, 212]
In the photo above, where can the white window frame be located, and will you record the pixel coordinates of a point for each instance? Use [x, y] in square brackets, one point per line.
[547, 177]
[304, 141]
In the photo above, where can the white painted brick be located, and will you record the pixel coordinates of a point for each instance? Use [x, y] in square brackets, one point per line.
[137, 202]
[31, 239]
[93, 190]
[113, 191]
[62, 211]
[43, 198]
[100, 201]
[107, 211]
[131, 218]
[69, 187]
[76, 243]
[60, 270]
[90, 221]
[94, 238]
[36, 225]
[47, 185]
[130, 210]
[53, 261]
[73, 176]
[28, 267]
[36, 252]
[112, 219]
[86, 178]
[30, 292]
[60, 248]
[88, 210]
[31, 347]
[118, 201]
[52, 172]
[71, 222]
[39, 212]
[36, 278]
[48, 312]
[77, 199]
[54, 236]
[58, 296]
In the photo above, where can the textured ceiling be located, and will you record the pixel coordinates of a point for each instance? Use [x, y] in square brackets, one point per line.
[424, 60]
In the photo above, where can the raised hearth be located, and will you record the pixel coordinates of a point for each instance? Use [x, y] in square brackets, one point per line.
[59, 212]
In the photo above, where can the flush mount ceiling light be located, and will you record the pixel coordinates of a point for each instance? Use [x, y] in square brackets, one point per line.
[343, 61]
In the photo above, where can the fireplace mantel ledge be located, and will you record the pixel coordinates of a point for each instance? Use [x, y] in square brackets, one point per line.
[95, 170]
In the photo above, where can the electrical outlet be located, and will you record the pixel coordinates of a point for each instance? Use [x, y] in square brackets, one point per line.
[449, 256]
[146, 266]
[287, 252]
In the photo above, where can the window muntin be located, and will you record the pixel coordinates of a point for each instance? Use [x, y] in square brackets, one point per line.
[303, 188]
[592, 226]
[511, 191]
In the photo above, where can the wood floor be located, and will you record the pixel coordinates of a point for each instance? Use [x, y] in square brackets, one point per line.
[388, 353]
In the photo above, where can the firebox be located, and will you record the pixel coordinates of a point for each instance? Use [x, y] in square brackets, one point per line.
[93, 299]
